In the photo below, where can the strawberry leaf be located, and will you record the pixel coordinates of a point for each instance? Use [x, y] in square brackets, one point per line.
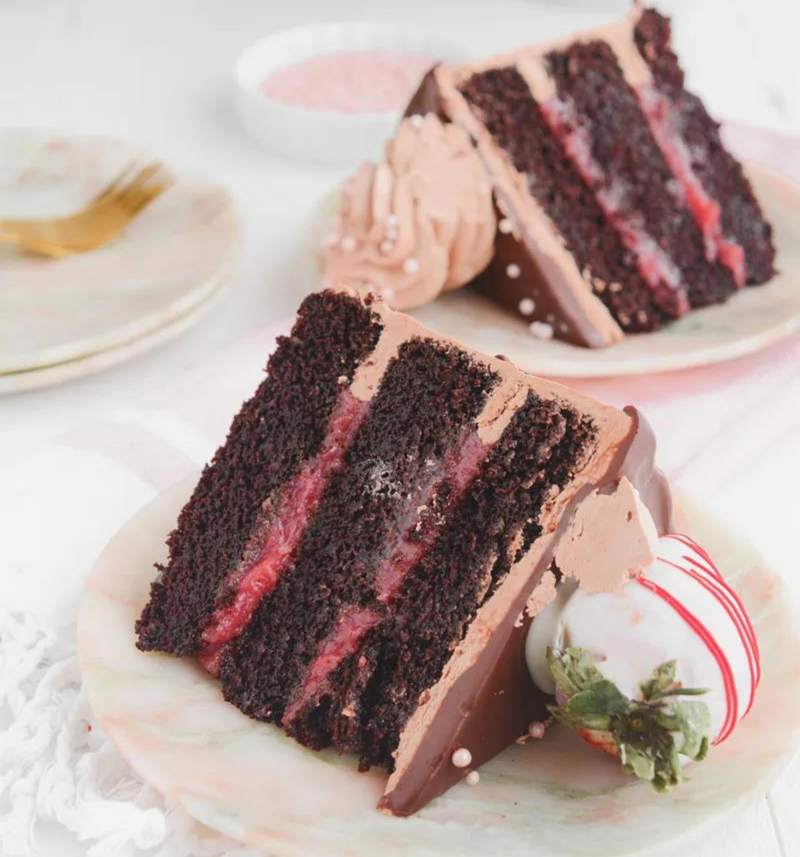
[602, 697]
[637, 763]
[573, 670]
[694, 727]
[651, 732]
[580, 721]
[660, 682]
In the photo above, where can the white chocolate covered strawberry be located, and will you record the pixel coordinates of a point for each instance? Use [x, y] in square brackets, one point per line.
[661, 669]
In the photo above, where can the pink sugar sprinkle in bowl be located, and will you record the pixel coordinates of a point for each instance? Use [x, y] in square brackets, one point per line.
[333, 93]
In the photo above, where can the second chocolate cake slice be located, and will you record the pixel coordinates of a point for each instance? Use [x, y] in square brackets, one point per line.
[619, 207]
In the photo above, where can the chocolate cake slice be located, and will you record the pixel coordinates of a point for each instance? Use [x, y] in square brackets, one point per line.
[619, 206]
[359, 562]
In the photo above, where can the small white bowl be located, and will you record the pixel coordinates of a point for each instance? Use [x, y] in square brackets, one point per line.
[324, 136]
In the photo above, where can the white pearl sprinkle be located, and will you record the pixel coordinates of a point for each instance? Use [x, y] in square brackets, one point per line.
[513, 271]
[461, 758]
[388, 293]
[331, 240]
[527, 306]
[536, 729]
[416, 120]
[411, 265]
[505, 226]
[392, 219]
[348, 243]
[541, 330]
[473, 778]
[387, 246]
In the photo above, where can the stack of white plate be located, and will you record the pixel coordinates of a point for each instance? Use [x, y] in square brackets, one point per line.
[61, 319]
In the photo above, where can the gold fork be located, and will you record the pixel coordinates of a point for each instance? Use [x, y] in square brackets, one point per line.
[98, 223]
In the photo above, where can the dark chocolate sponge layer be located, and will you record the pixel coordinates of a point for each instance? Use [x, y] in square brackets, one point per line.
[502, 100]
[280, 427]
[588, 76]
[721, 174]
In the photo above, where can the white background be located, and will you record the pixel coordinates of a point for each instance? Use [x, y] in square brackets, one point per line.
[158, 72]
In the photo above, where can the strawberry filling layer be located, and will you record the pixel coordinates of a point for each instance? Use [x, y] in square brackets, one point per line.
[705, 210]
[286, 519]
[350, 629]
[655, 266]
[417, 528]
[414, 533]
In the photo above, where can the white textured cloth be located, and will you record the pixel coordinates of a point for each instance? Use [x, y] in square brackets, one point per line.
[727, 434]
[56, 765]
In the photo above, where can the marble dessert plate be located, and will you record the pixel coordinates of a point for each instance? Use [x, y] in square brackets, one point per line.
[553, 797]
[61, 319]
[750, 320]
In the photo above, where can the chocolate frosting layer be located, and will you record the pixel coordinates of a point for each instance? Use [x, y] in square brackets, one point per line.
[491, 704]
[637, 465]
[419, 222]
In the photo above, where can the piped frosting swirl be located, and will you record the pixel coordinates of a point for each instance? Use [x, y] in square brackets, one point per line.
[420, 222]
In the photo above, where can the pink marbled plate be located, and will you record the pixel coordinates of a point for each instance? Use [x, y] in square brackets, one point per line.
[67, 317]
[548, 798]
[749, 321]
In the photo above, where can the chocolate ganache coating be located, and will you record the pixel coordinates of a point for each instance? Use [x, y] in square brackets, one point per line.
[427, 98]
[492, 704]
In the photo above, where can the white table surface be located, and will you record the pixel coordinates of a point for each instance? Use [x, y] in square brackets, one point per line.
[158, 72]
